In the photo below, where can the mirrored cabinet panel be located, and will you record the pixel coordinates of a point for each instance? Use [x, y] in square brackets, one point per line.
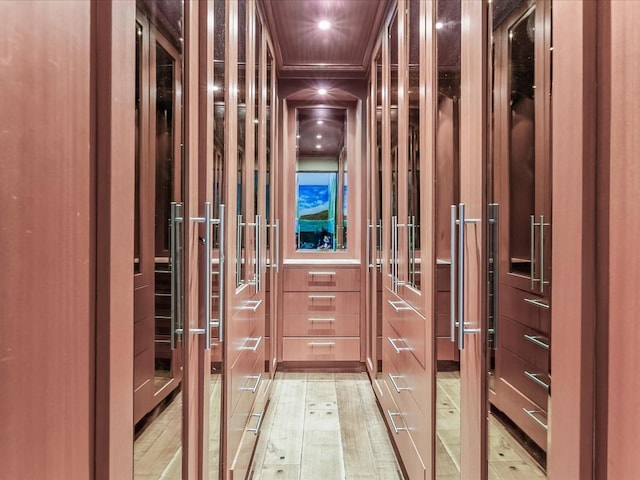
[321, 180]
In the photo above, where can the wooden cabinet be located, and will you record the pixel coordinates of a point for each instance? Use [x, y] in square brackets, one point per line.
[321, 314]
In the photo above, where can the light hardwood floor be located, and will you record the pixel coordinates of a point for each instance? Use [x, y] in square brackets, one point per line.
[324, 426]
[507, 459]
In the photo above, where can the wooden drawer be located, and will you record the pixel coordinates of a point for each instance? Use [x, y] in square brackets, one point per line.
[515, 406]
[400, 432]
[443, 278]
[244, 325]
[320, 349]
[525, 378]
[408, 325]
[245, 377]
[321, 279]
[321, 303]
[308, 324]
[525, 343]
[407, 381]
[513, 305]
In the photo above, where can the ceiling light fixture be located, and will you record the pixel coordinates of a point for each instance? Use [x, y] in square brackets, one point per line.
[318, 136]
[319, 122]
[324, 25]
[322, 91]
[439, 25]
[318, 146]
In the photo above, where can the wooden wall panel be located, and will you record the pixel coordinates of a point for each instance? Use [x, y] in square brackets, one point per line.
[46, 285]
[624, 231]
[573, 264]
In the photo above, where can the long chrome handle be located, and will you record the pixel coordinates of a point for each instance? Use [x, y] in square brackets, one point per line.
[256, 253]
[461, 272]
[319, 274]
[394, 304]
[328, 320]
[207, 271]
[462, 222]
[277, 245]
[412, 249]
[395, 385]
[393, 423]
[543, 282]
[207, 220]
[532, 253]
[453, 277]
[259, 424]
[538, 303]
[253, 389]
[379, 245]
[534, 377]
[535, 339]
[367, 247]
[221, 210]
[239, 259]
[321, 344]
[393, 341]
[173, 259]
[536, 419]
[394, 254]
[495, 265]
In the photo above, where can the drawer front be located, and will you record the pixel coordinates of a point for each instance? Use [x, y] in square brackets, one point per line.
[321, 303]
[407, 381]
[320, 349]
[443, 278]
[516, 406]
[516, 305]
[245, 377]
[524, 342]
[312, 325]
[400, 434]
[525, 378]
[321, 279]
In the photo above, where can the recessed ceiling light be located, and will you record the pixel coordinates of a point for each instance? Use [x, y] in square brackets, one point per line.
[318, 136]
[297, 136]
[255, 120]
[324, 25]
[439, 25]
[318, 146]
[322, 91]
[319, 122]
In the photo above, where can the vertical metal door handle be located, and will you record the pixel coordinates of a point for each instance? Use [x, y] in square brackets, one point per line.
[461, 271]
[368, 246]
[173, 260]
[542, 281]
[277, 245]
[532, 253]
[494, 215]
[453, 278]
[394, 253]
[207, 271]
[221, 276]
[258, 253]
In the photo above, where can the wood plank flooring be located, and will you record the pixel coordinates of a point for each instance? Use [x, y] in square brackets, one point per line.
[508, 460]
[324, 426]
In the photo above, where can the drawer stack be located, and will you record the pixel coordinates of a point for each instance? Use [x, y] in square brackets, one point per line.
[403, 385]
[321, 314]
[446, 349]
[522, 362]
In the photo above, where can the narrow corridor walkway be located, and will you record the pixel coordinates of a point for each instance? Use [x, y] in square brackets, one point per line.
[324, 426]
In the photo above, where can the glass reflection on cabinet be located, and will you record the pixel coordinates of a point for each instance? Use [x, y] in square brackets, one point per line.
[242, 273]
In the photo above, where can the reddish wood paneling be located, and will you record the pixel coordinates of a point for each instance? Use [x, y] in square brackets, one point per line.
[573, 264]
[624, 231]
[47, 235]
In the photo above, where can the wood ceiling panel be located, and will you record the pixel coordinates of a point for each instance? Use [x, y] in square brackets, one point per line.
[344, 49]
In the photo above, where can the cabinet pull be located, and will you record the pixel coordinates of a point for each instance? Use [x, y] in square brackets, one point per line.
[395, 304]
[259, 424]
[253, 389]
[322, 274]
[322, 297]
[393, 341]
[252, 305]
[176, 275]
[532, 413]
[395, 385]
[321, 320]
[495, 272]
[534, 377]
[535, 339]
[255, 347]
[452, 273]
[538, 303]
[321, 344]
[393, 423]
